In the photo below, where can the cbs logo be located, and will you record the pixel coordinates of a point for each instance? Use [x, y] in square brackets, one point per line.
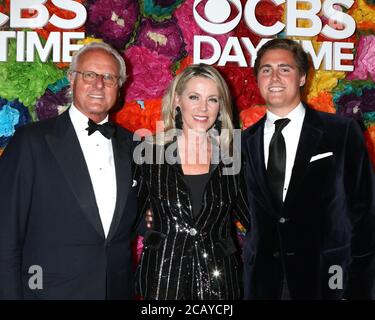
[217, 12]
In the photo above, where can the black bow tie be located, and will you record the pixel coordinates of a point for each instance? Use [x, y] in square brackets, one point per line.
[106, 129]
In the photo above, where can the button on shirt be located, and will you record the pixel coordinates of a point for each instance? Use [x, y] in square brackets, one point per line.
[291, 134]
[98, 154]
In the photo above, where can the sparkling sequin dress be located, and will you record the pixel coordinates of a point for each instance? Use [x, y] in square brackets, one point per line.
[186, 257]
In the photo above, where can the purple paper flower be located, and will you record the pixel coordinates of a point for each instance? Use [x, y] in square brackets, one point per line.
[149, 74]
[354, 106]
[113, 21]
[163, 37]
[52, 104]
[368, 100]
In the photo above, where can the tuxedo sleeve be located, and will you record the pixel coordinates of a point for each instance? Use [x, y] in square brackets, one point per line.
[16, 167]
[360, 188]
[143, 200]
[241, 208]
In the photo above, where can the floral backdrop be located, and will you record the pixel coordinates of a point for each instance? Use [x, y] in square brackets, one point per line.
[155, 38]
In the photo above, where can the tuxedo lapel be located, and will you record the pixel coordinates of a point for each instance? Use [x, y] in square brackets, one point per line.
[311, 134]
[255, 149]
[64, 144]
[123, 164]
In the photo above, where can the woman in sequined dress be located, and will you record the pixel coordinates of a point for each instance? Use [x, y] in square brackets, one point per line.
[194, 195]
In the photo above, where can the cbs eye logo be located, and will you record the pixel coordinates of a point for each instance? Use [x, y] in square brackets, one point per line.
[217, 12]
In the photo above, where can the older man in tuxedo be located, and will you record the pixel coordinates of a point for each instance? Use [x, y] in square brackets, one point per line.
[68, 202]
[311, 192]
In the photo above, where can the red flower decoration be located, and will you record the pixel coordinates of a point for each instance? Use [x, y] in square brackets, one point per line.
[370, 142]
[184, 63]
[243, 86]
[251, 116]
[140, 115]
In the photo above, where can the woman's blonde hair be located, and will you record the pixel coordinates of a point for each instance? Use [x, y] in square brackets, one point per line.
[177, 87]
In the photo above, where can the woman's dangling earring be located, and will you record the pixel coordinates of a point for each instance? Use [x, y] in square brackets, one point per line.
[178, 118]
[218, 124]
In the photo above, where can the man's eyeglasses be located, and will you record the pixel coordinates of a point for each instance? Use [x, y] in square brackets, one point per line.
[91, 77]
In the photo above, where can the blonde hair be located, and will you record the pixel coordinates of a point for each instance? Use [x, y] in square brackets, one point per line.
[177, 87]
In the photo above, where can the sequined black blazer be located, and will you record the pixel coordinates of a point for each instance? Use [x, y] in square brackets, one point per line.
[185, 257]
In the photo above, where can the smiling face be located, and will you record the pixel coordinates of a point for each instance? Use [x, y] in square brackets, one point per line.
[279, 81]
[94, 99]
[199, 103]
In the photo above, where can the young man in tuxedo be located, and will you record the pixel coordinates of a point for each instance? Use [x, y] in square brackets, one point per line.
[67, 199]
[311, 192]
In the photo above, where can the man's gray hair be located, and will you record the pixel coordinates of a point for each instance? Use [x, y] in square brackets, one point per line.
[100, 46]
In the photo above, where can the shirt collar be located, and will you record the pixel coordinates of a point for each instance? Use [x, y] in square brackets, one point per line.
[79, 120]
[295, 116]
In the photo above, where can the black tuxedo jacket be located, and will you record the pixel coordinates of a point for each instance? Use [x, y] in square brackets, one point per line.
[327, 220]
[49, 217]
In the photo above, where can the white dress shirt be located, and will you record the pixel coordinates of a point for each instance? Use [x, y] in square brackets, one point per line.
[98, 154]
[291, 134]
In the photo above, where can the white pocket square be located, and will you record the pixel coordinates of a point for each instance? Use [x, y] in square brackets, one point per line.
[320, 156]
[134, 183]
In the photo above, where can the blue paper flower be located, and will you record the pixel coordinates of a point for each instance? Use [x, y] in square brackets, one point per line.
[159, 9]
[13, 114]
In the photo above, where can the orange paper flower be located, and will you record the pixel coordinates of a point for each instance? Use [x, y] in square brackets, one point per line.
[140, 115]
[187, 61]
[251, 115]
[323, 102]
[370, 142]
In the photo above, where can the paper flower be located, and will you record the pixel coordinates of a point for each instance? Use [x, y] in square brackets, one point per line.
[323, 81]
[323, 102]
[251, 115]
[363, 14]
[162, 37]
[355, 105]
[242, 85]
[364, 63]
[181, 65]
[149, 74]
[189, 28]
[140, 115]
[114, 21]
[137, 248]
[13, 114]
[59, 85]
[159, 9]
[345, 87]
[89, 40]
[370, 143]
[26, 81]
[52, 104]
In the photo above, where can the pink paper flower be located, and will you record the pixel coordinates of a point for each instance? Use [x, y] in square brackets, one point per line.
[149, 74]
[364, 64]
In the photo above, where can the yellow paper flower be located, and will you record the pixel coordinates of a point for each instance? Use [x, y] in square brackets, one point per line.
[363, 14]
[324, 81]
[88, 40]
